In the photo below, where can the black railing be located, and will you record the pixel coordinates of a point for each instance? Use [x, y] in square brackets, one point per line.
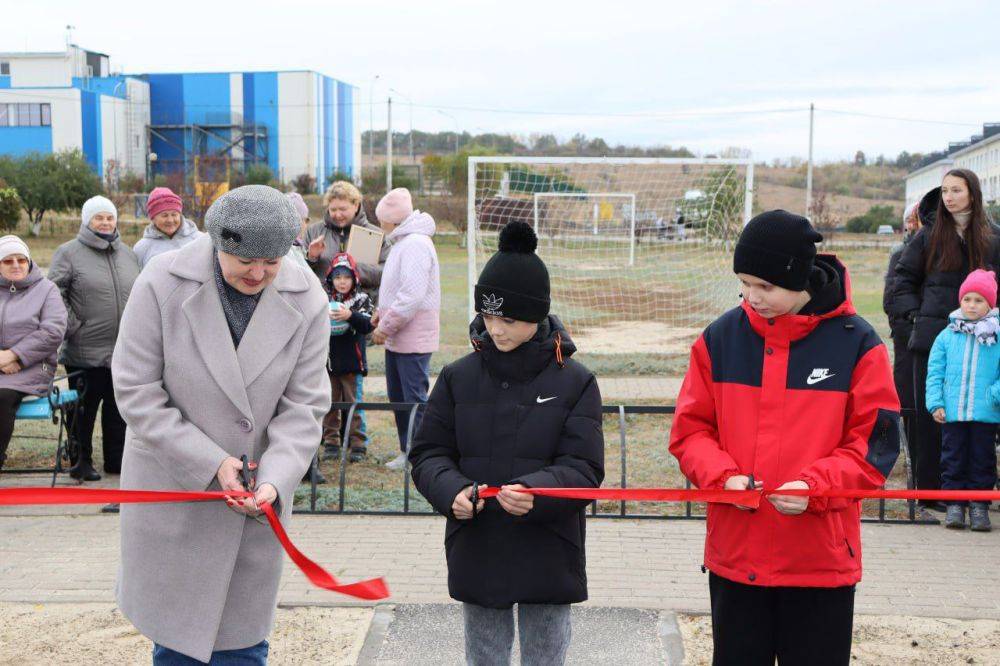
[621, 410]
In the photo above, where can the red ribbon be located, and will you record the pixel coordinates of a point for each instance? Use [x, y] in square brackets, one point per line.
[750, 498]
[373, 589]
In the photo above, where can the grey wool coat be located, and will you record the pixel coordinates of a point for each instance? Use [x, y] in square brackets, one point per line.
[199, 577]
[94, 277]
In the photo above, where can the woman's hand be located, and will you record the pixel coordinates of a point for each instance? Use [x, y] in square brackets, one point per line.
[229, 479]
[939, 415]
[7, 357]
[790, 505]
[340, 314]
[462, 506]
[11, 369]
[515, 502]
[316, 248]
[379, 337]
[376, 318]
[741, 482]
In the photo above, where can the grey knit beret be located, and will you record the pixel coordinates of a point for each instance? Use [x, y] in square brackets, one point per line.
[254, 222]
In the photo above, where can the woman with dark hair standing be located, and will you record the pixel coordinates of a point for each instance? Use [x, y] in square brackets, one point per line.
[928, 277]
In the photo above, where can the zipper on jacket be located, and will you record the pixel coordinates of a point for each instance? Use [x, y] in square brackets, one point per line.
[115, 286]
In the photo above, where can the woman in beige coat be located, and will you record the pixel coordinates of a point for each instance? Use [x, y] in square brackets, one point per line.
[222, 353]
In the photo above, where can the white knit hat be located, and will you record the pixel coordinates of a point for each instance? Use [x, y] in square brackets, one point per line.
[95, 205]
[12, 245]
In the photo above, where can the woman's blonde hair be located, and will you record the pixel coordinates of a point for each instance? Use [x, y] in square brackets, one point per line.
[342, 189]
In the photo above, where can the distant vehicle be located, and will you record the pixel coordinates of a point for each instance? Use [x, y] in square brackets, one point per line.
[885, 230]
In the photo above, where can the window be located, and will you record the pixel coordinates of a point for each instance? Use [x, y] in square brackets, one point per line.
[4, 69]
[25, 115]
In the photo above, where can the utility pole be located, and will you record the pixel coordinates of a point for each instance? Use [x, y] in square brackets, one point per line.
[388, 149]
[371, 122]
[809, 167]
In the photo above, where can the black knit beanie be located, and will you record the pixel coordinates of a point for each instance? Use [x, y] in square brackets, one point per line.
[779, 247]
[514, 283]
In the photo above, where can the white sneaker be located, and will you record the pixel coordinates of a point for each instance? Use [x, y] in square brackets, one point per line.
[398, 462]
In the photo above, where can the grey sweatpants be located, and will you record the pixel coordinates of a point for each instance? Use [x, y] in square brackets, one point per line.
[544, 632]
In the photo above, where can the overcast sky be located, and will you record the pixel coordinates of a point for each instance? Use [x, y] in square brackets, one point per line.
[634, 72]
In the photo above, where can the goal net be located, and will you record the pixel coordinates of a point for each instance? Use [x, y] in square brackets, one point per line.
[639, 250]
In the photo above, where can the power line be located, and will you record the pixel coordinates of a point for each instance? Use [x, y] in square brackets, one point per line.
[897, 118]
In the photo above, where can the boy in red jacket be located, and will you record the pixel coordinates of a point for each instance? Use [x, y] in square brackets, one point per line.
[790, 390]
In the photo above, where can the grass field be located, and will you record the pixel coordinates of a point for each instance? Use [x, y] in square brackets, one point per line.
[370, 486]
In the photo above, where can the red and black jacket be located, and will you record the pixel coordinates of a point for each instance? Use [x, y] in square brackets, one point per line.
[800, 397]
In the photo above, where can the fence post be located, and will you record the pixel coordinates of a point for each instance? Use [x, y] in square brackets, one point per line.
[343, 455]
[406, 464]
[621, 444]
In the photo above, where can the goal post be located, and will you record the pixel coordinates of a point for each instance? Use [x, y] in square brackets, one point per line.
[627, 240]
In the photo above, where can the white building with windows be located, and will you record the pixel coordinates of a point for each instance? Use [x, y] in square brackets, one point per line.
[980, 154]
[53, 101]
[925, 179]
[983, 157]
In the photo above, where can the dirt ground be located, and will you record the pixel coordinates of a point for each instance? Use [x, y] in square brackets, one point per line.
[643, 337]
[99, 634]
[892, 639]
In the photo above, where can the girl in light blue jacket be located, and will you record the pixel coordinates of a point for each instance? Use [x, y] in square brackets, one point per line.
[963, 394]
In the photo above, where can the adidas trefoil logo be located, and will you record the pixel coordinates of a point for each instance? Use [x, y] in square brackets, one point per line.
[492, 304]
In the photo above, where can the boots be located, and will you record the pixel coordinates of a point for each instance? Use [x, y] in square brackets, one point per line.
[979, 517]
[84, 470]
[955, 517]
[331, 452]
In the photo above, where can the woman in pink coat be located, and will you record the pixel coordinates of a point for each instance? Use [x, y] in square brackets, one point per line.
[409, 305]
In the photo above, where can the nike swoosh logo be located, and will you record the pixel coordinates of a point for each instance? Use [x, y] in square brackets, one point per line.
[816, 380]
[540, 399]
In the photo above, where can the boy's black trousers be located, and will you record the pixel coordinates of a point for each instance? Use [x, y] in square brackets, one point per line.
[753, 626]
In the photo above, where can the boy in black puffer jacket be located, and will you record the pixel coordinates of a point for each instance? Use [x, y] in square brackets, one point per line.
[348, 357]
[517, 412]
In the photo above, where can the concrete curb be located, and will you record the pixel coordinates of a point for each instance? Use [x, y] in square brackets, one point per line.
[381, 619]
[670, 639]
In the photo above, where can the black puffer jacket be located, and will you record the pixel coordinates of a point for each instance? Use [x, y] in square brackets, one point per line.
[516, 417]
[899, 325]
[926, 299]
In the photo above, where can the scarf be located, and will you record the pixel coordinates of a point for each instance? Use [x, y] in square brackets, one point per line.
[985, 330]
[238, 307]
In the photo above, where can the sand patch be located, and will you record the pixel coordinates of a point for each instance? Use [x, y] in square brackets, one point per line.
[635, 337]
[99, 634]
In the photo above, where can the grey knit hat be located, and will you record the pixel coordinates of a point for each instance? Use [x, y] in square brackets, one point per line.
[253, 222]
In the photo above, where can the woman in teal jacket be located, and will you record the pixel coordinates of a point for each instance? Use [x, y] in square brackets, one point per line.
[963, 394]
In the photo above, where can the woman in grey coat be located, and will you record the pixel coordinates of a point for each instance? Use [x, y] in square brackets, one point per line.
[32, 324]
[222, 354]
[94, 273]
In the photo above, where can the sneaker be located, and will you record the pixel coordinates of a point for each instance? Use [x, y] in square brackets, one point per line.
[357, 455]
[84, 471]
[399, 462]
[979, 517]
[331, 452]
[955, 517]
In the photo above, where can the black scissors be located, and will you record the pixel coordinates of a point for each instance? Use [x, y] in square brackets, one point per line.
[248, 481]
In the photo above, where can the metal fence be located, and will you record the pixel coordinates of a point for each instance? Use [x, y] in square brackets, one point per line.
[622, 411]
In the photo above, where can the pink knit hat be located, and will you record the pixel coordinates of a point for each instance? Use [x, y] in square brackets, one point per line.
[395, 207]
[981, 282]
[161, 199]
[300, 204]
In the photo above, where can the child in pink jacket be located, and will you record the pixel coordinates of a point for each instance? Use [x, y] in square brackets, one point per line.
[409, 305]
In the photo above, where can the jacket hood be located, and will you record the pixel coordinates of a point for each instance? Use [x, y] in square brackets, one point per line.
[417, 223]
[34, 277]
[830, 288]
[342, 259]
[187, 228]
[89, 237]
[927, 210]
[551, 342]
